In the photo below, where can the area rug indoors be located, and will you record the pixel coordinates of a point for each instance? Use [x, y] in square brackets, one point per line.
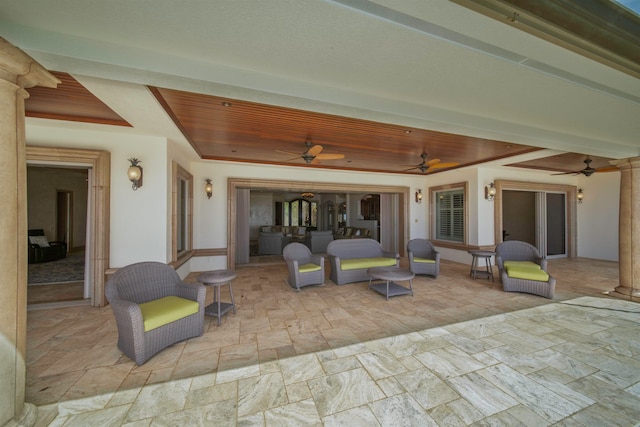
[69, 269]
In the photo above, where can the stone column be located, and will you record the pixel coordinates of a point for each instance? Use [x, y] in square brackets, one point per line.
[629, 234]
[17, 72]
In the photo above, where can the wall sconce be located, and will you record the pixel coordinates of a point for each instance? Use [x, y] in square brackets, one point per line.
[419, 196]
[580, 196]
[208, 188]
[490, 192]
[135, 173]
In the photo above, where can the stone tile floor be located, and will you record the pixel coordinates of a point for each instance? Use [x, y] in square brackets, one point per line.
[459, 352]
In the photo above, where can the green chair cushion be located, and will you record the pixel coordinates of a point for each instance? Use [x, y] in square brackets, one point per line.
[526, 264]
[308, 268]
[165, 310]
[359, 263]
[527, 273]
[425, 260]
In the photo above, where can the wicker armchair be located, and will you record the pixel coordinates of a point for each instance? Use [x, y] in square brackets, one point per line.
[514, 250]
[150, 282]
[423, 258]
[304, 267]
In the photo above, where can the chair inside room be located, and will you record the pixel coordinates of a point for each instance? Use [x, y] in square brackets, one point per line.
[423, 257]
[304, 267]
[318, 240]
[523, 269]
[271, 242]
[42, 250]
[154, 308]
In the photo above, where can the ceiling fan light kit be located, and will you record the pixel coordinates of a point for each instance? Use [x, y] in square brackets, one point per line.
[425, 165]
[313, 154]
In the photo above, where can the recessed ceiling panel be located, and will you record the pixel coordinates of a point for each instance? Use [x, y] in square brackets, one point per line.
[69, 101]
[227, 129]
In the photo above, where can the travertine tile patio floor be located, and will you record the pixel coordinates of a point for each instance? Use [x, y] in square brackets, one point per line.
[459, 352]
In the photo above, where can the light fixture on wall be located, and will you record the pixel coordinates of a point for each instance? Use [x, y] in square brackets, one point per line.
[419, 196]
[490, 192]
[580, 196]
[208, 188]
[135, 173]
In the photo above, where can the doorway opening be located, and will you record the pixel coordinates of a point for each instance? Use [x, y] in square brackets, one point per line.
[57, 205]
[93, 230]
[538, 218]
[394, 233]
[539, 214]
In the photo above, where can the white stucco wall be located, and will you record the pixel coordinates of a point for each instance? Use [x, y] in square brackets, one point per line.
[141, 220]
[138, 218]
[598, 216]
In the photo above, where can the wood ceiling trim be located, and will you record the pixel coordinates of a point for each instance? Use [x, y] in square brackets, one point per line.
[70, 101]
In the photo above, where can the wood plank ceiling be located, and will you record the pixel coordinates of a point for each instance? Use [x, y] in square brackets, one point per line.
[235, 130]
[227, 129]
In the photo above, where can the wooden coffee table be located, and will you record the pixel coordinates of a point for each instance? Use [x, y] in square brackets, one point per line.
[390, 275]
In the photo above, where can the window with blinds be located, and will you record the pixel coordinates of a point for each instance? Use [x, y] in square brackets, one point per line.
[450, 215]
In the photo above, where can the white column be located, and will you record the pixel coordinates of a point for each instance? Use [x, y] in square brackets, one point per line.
[17, 72]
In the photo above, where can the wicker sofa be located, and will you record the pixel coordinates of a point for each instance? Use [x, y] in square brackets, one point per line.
[522, 269]
[350, 259]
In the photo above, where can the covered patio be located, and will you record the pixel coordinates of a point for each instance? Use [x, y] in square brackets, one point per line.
[334, 353]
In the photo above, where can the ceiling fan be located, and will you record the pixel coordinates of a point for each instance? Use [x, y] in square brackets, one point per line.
[588, 170]
[314, 154]
[425, 165]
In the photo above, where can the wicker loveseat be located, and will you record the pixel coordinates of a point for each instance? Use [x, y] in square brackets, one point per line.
[350, 259]
[522, 269]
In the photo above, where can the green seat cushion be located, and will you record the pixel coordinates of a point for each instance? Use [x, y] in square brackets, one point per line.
[527, 273]
[425, 260]
[359, 263]
[165, 310]
[526, 264]
[307, 268]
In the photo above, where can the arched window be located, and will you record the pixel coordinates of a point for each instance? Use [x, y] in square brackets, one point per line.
[301, 213]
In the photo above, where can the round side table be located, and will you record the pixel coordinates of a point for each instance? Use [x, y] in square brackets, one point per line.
[475, 271]
[217, 279]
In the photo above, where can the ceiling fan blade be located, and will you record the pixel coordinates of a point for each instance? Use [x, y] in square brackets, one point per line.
[445, 165]
[326, 156]
[432, 162]
[315, 150]
[567, 173]
[315, 161]
[287, 152]
[608, 169]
